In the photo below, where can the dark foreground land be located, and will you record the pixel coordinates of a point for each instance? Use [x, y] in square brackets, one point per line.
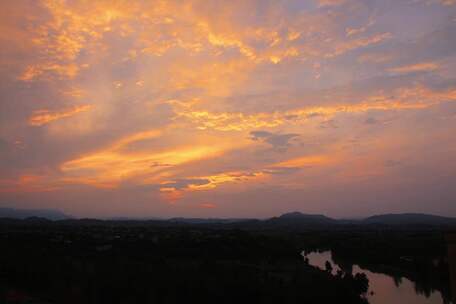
[88, 261]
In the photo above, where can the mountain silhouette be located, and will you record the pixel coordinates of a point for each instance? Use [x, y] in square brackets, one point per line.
[49, 214]
[410, 219]
[303, 216]
[289, 220]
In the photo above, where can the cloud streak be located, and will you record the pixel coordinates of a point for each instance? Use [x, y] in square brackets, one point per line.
[43, 117]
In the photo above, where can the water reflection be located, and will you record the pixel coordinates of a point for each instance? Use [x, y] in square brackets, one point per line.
[382, 288]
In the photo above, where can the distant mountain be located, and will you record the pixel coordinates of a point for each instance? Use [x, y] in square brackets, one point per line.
[303, 216]
[292, 220]
[133, 218]
[207, 220]
[49, 214]
[410, 219]
[298, 220]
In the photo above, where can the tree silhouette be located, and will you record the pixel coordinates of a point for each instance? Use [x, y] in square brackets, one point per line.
[328, 267]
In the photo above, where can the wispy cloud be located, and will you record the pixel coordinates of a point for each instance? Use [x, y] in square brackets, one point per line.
[330, 2]
[207, 205]
[401, 99]
[418, 67]
[43, 117]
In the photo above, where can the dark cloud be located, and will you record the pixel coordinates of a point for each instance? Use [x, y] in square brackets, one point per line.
[312, 115]
[375, 121]
[158, 164]
[371, 121]
[276, 140]
[281, 170]
[291, 117]
[185, 182]
[328, 124]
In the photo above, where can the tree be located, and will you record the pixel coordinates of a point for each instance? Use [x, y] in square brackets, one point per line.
[328, 267]
[361, 283]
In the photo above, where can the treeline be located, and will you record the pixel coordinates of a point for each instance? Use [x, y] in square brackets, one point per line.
[116, 264]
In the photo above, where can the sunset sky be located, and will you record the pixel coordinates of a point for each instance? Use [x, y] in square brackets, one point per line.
[228, 108]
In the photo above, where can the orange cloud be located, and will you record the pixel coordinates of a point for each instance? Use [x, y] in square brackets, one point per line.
[43, 117]
[305, 161]
[441, 2]
[346, 46]
[355, 31]
[69, 30]
[413, 98]
[28, 183]
[226, 177]
[62, 71]
[322, 3]
[171, 196]
[144, 52]
[203, 183]
[111, 165]
[419, 67]
[171, 193]
[207, 205]
[75, 34]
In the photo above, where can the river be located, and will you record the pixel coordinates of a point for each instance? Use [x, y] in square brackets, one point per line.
[382, 288]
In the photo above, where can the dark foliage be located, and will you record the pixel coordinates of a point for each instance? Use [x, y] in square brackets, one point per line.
[62, 263]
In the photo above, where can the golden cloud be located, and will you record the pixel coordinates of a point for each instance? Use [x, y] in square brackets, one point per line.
[414, 98]
[111, 165]
[185, 52]
[28, 182]
[208, 182]
[323, 3]
[43, 117]
[419, 67]
[207, 205]
[76, 35]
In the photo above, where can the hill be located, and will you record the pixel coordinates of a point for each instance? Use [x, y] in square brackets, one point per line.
[410, 219]
[49, 214]
[298, 220]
